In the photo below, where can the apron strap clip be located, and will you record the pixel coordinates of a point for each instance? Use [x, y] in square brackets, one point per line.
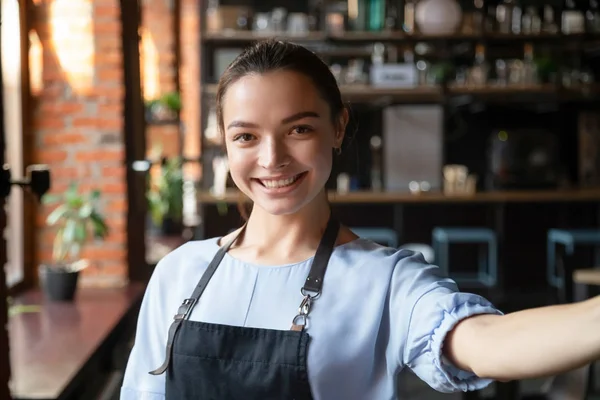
[184, 309]
[182, 313]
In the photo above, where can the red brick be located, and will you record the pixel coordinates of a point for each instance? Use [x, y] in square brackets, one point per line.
[113, 110]
[64, 173]
[51, 156]
[114, 172]
[113, 74]
[108, 92]
[99, 155]
[104, 253]
[54, 139]
[61, 107]
[116, 237]
[111, 11]
[50, 123]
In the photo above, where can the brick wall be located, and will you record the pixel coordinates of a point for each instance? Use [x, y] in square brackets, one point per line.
[77, 105]
[77, 120]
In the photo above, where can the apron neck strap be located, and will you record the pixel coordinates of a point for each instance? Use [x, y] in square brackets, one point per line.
[314, 281]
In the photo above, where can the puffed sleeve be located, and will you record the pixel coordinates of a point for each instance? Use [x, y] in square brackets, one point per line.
[426, 305]
[150, 340]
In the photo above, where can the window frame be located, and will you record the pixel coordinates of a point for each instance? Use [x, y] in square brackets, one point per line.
[27, 146]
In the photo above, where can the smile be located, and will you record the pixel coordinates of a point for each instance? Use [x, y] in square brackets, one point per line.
[281, 183]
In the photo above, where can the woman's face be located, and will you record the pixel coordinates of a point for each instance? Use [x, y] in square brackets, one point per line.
[279, 137]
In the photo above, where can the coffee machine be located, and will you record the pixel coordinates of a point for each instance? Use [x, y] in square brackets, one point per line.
[523, 159]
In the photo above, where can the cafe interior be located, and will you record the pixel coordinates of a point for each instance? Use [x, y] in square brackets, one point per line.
[474, 139]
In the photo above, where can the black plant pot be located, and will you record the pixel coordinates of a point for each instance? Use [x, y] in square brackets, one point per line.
[58, 284]
[171, 226]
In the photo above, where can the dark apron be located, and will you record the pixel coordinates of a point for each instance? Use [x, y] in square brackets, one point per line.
[212, 361]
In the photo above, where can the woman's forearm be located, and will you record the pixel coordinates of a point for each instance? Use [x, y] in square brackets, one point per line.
[531, 343]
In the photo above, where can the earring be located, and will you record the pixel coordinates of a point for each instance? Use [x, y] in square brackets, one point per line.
[338, 150]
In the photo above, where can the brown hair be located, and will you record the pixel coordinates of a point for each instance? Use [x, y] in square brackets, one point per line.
[274, 55]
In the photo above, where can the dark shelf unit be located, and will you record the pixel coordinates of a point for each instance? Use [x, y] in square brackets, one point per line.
[364, 97]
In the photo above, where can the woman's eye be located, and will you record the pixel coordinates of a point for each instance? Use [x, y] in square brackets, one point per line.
[302, 129]
[244, 137]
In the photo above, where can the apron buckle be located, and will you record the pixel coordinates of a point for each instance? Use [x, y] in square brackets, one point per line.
[184, 308]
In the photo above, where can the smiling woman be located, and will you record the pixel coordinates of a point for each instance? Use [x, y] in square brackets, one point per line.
[293, 304]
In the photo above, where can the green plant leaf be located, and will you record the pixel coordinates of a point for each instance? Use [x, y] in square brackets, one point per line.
[80, 232]
[86, 210]
[58, 248]
[95, 195]
[69, 231]
[99, 226]
[74, 250]
[59, 213]
[51, 198]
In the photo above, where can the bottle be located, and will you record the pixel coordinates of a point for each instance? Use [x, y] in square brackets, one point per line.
[529, 67]
[409, 16]
[549, 24]
[478, 17]
[593, 17]
[504, 13]
[517, 12]
[481, 68]
[572, 19]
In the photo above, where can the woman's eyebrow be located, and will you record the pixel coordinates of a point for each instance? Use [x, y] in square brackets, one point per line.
[241, 124]
[300, 115]
[287, 120]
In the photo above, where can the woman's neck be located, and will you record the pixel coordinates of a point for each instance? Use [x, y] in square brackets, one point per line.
[291, 231]
[279, 239]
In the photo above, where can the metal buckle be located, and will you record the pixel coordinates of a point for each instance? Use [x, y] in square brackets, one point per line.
[184, 308]
[304, 308]
[306, 293]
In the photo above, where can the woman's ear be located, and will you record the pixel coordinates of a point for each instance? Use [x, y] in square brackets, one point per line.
[341, 127]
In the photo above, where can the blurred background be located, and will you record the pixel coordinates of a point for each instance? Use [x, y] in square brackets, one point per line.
[474, 138]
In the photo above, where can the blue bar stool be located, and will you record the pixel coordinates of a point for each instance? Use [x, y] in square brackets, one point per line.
[384, 236]
[569, 238]
[487, 271]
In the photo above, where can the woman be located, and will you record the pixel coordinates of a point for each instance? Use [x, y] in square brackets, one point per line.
[293, 305]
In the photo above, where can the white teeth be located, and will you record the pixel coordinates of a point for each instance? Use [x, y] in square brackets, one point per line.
[274, 184]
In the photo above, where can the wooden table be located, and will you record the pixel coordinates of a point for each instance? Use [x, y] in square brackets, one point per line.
[58, 352]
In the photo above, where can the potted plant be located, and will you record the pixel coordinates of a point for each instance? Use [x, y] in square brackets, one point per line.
[77, 219]
[165, 197]
[165, 108]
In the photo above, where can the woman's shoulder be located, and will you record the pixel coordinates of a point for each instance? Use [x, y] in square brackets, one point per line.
[367, 251]
[188, 259]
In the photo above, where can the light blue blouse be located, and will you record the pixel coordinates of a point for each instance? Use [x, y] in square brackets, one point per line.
[380, 310]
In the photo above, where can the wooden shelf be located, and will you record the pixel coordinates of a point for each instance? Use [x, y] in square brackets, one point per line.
[387, 36]
[368, 197]
[507, 89]
[367, 91]
[250, 36]
[361, 92]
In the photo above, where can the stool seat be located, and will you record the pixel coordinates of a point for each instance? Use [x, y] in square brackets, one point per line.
[487, 274]
[589, 276]
[377, 234]
[569, 238]
[463, 234]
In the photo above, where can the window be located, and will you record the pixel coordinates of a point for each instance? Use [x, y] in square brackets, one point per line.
[13, 120]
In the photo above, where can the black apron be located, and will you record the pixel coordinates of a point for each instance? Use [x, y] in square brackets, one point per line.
[219, 362]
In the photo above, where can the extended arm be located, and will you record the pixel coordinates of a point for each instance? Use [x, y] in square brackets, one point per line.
[527, 344]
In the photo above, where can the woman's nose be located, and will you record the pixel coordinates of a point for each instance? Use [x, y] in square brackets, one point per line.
[273, 155]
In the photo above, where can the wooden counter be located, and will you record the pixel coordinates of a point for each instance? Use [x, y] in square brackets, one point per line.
[60, 351]
[368, 197]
